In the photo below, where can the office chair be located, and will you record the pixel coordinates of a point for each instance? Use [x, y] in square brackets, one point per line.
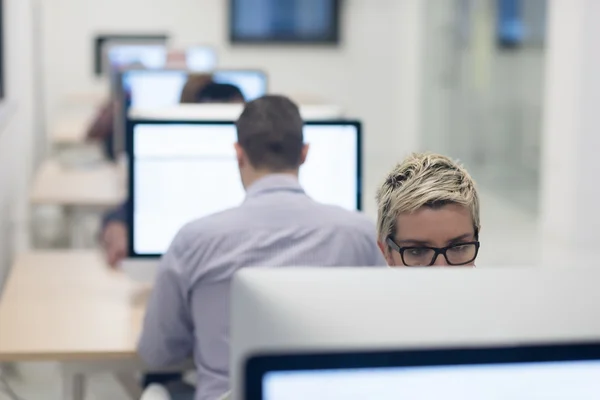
[155, 392]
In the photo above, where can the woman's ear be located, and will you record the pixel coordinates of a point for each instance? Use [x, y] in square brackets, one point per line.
[381, 247]
[386, 254]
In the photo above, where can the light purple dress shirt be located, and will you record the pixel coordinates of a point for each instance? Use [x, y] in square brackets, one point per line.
[277, 225]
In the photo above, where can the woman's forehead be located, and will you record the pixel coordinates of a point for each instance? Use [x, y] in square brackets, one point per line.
[434, 224]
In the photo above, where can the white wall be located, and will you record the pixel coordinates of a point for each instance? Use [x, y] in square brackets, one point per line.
[570, 216]
[17, 122]
[374, 74]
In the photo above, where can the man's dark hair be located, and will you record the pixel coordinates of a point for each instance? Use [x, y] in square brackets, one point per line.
[219, 93]
[270, 132]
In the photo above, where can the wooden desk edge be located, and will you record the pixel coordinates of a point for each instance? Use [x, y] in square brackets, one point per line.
[38, 200]
[68, 357]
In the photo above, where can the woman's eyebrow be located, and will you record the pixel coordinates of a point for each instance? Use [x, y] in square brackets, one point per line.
[421, 242]
[414, 242]
[461, 238]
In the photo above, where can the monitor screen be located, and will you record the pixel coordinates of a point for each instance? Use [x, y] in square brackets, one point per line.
[252, 83]
[142, 55]
[517, 373]
[136, 48]
[201, 58]
[183, 171]
[153, 88]
[162, 88]
[565, 380]
[300, 21]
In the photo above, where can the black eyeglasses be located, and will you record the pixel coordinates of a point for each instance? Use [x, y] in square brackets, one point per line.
[424, 256]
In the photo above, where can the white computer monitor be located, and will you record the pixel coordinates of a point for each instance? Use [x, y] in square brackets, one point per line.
[183, 170]
[147, 89]
[252, 83]
[201, 58]
[154, 55]
[544, 371]
[138, 54]
[290, 311]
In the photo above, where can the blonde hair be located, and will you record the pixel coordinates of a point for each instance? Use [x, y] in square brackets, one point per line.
[421, 180]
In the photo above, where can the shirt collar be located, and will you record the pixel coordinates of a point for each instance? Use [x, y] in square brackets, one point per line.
[274, 183]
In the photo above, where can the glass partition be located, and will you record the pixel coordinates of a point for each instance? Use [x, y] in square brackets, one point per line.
[482, 91]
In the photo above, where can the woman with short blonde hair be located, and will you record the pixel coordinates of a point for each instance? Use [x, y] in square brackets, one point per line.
[428, 213]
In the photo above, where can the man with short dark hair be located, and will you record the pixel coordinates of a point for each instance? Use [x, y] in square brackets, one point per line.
[270, 139]
[277, 225]
[270, 132]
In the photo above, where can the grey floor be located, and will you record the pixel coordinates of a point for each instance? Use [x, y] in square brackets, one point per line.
[41, 381]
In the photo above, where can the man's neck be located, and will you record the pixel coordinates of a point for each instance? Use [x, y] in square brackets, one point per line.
[258, 175]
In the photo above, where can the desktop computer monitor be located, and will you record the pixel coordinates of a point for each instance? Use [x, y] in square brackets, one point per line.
[550, 371]
[155, 55]
[201, 58]
[148, 89]
[295, 311]
[183, 170]
[153, 89]
[252, 83]
[137, 54]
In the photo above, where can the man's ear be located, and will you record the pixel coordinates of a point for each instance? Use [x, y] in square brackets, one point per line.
[304, 153]
[240, 154]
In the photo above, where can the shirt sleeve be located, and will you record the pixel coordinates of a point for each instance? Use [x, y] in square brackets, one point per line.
[378, 258]
[374, 255]
[102, 126]
[118, 214]
[167, 336]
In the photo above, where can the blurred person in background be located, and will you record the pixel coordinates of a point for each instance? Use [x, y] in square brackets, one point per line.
[428, 214]
[199, 88]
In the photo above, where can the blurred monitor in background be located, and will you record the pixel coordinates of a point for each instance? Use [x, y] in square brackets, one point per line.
[146, 55]
[156, 88]
[135, 48]
[299, 21]
[201, 58]
[165, 88]
[510, 26]
[156, 56]
[252, 83]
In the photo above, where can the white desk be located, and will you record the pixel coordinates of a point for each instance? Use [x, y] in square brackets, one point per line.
[79, 190]
[311, 112]
[96, 185]
[67, 306]
[70, 127]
